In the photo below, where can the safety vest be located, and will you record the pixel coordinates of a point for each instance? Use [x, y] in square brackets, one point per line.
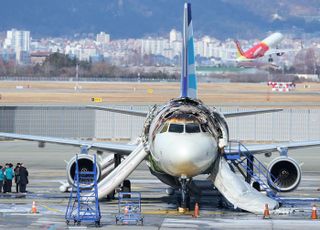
[9, 173]
[1, 175]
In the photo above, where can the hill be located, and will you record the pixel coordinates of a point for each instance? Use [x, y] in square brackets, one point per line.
[137, 18]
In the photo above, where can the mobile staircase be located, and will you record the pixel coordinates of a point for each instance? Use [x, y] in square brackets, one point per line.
[239, 157]
[83, 203]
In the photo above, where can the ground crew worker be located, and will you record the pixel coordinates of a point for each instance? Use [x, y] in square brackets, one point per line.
[23, 178]
[9, 174]
[1, 178]
[17, 176]
[4, 178]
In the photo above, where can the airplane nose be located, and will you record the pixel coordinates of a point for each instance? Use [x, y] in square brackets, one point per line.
[186, 155]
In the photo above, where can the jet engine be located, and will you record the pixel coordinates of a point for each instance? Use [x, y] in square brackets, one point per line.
[85, 163]
[284, 174]
[104, 167]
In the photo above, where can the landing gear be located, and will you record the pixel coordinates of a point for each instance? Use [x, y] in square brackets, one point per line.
[126, 187]
[184, 202]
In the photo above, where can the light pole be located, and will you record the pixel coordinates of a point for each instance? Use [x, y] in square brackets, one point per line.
[77, 78]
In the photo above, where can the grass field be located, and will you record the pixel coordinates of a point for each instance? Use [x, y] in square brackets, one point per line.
[148, 93]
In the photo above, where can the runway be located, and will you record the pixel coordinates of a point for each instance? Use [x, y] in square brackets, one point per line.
[46, 168]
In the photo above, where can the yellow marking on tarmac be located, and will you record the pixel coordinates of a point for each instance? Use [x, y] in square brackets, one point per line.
[50, 209]
[176, 213]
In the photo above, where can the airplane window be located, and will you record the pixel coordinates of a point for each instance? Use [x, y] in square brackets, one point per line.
[176, 128]
[192, 128]
[165, 128]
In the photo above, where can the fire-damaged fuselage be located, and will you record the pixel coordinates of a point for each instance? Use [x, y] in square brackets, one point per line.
[184, 138]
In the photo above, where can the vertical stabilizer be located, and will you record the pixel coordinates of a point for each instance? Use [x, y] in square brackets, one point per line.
[188, 73]
[240, 52]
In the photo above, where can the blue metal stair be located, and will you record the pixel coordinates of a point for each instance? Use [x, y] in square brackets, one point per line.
[240, 157]
[83, 203]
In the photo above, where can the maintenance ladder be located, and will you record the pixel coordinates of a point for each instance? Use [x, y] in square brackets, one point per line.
[250, 167]
[83, 203]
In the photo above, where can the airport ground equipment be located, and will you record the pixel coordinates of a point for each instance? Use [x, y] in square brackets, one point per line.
[83, 203]
[258, 175]
[251, 169]
[129, 208]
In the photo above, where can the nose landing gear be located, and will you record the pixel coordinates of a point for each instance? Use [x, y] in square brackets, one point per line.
[184, 201]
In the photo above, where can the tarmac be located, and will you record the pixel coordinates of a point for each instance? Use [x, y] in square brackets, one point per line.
[47, 168]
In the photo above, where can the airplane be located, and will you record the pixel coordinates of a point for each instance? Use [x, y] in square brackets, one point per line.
[263, 48]
[180, 140]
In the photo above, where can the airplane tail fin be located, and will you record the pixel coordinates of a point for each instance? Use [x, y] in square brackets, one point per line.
[188, 73]
[240, 52]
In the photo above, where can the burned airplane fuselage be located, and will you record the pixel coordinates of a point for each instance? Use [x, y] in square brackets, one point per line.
[184, 138]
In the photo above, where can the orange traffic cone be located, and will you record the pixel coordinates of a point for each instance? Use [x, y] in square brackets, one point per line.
[196, 210]
[266, 213]
[34, 208]
[314, 215]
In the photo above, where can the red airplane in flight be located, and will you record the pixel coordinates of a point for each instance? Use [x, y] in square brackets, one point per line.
[262, 49]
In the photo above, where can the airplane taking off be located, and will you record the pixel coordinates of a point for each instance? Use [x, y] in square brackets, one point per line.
[263, 48]
[180, 140]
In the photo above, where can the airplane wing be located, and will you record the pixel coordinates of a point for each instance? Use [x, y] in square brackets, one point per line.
[279, 51]
[247, 113]
[123, 149]
[144, 114]
[268, 148]
[122, 111]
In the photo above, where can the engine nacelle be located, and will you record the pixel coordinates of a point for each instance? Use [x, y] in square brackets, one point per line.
[85, 163]
[286, 174]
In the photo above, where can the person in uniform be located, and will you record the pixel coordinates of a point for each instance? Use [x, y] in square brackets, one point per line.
[1, 178]
[23, 178]
[8, 175]
[17, 176]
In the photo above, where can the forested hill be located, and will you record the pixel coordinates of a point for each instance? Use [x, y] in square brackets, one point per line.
[137, 18]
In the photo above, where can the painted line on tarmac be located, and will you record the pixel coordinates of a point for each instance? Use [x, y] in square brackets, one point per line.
[50, 209]
[175, 212]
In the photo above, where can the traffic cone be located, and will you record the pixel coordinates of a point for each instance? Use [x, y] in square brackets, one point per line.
[196, 210]
[33, 208]
[314, 215]
[266, 213]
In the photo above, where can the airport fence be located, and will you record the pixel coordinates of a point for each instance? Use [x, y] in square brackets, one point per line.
[79, 122]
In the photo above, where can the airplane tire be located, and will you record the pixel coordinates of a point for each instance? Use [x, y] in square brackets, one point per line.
[126, 187]
[111, 195]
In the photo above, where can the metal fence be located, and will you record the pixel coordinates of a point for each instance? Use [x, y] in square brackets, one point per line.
[79, 122]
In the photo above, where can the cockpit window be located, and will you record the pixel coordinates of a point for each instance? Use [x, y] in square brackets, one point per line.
[164, 128]
[192, 128]
[176, 128]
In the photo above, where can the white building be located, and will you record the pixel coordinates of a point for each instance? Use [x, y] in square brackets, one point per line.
[175, 36]
[155, 46]
[103, 38]
[18, 41]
